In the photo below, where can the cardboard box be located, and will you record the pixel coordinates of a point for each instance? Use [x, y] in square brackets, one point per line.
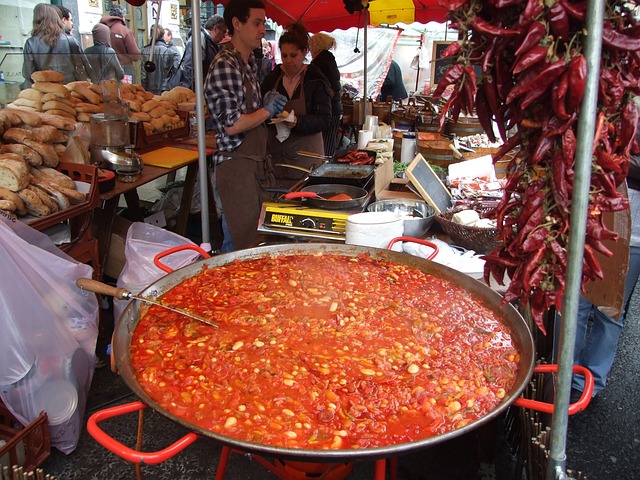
[383, 175]
[608, 294]
[397, 188]
[116, 259]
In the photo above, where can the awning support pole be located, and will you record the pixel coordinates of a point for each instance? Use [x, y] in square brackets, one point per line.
[556, 465]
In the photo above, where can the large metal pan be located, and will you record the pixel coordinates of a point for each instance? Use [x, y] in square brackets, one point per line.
[356, 175]
[320, 196]
[519, 331]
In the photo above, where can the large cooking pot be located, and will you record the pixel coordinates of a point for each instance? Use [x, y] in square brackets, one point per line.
[519, 330]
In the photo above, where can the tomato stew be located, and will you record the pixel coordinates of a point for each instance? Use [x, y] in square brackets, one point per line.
[324, 352]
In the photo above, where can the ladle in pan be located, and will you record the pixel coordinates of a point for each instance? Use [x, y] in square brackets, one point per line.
[123, 294]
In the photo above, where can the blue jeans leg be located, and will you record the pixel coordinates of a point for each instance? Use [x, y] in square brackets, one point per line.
[598, 350]
[227, 241]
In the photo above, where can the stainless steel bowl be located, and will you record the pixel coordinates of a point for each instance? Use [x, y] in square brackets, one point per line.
[417, 214]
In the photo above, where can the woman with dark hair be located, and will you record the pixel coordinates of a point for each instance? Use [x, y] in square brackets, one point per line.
[49, 48]
[320, 44]
[309, 98]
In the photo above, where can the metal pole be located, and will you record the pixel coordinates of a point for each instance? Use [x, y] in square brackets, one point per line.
[203, 168]
[556, 464]
[366, 47]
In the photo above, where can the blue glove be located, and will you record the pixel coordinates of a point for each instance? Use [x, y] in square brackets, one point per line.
[274, 102]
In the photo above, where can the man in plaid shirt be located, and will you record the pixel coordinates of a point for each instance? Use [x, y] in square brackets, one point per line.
[242, 167]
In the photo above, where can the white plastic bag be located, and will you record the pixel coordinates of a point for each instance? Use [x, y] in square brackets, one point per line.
[49, 331]
[144, 241]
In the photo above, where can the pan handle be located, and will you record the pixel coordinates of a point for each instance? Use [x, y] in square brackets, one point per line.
[416, 240]
[294, 167]
[574, 408]
[171, 250]
[125, 452]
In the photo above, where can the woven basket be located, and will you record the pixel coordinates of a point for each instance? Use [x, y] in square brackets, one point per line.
[482, 240]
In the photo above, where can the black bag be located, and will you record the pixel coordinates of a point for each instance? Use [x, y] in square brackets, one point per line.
[79, 70]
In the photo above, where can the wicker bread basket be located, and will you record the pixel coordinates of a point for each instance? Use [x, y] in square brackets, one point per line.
[481, 240]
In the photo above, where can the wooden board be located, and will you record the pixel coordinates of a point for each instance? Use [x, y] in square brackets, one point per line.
[428, 184]
[169, 157]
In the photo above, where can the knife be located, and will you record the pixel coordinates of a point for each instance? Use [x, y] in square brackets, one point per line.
[94, 286]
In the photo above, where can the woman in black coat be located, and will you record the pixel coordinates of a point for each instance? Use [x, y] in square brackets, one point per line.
[319, 45]
[309, 96]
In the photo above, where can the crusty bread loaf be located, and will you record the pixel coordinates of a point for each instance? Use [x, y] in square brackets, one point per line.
[140, 116]
[15, 107]
[54, 176]
[31, 94]
[88, 107]
[8, 206]
[51, 87]
[15, 199]
[56, 105]
[9, 118]
[25, 102]
[48, 134]
[44, 198]
[62, 113]
[28, 118]
[85, 91]
[149, 105]
[46, 151]
[47, 76]
[62, 123]
[16, 135]
[14, 174]
[33, 203]
[32, 157]
[54, 193]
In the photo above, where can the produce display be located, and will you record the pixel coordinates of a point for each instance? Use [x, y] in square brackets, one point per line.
[324, 351]
[522, 65]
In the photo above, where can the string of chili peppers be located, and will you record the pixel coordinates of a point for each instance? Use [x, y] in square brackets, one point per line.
[520, 64]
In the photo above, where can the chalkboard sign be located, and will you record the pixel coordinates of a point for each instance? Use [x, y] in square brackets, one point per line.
[439, 66]
[425, 180]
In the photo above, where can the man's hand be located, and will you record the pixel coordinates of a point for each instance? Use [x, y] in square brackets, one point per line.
[274, 102]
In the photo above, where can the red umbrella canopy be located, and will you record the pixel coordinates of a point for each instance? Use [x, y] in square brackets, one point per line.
[328, 15]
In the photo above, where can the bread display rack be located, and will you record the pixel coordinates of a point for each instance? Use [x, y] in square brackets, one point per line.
[143, 143]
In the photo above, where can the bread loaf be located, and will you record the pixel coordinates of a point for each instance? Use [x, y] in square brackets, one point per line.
[25, 102]
[46, 151]
[15, 199]
[29, 155]
[14, 174]
[33, 203]
[52, 87]
[62, 113]
[16, 135]
[62, 123]
[44, 198]
[28, 118]
[47, 76]
[31, 94]
[88, 108]
[56, 105]
[54, 176]
[56, 195]
[82, 89]
[48, 134]
[7, 206]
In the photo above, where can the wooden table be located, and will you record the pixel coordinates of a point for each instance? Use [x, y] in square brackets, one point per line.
[105, 213]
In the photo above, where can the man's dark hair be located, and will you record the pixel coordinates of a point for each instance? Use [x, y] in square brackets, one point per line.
[214, 21]
[239, 9]
[117, 11]
[64, 12]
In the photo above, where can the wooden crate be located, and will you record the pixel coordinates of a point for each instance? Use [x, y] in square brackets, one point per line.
[27, 447]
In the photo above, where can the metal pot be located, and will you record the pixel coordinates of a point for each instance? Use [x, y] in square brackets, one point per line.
[519, 330]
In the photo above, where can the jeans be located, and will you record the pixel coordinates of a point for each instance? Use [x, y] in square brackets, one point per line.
[227, 241]
[596, 348]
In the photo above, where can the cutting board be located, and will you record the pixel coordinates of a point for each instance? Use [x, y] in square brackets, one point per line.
[169, 157]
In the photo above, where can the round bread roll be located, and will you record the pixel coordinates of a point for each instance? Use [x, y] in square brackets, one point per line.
[156, 112]
[47, 76]
[15, 199]
[141, 116]
[7, 206]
